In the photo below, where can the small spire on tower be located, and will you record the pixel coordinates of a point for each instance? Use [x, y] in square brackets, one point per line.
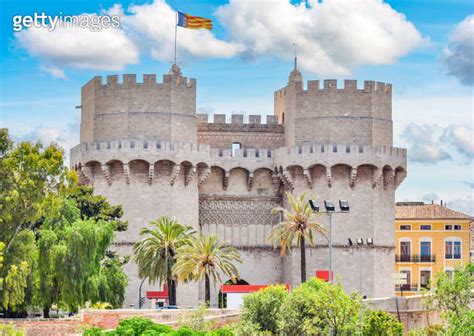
[296, 54]
[295, 75]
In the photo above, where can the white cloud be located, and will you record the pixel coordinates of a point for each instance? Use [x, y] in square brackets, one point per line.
[154, 25]
[458, 55]
[333, 36]
[462, 138]
[424, 148]
[109, 49]
[464, 205]
[54, 71]
[64, 138]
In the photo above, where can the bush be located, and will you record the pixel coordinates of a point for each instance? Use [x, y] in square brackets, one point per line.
[380, 323]
[195, 319]
[262, 308]
[316, 307]
[247, 328]
[297, 308]
[137, 326]
[10, 330]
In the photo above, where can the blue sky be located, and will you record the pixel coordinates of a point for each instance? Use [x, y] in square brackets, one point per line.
[424, 48]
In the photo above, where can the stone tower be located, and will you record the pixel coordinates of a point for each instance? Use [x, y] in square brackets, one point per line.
[144, 146]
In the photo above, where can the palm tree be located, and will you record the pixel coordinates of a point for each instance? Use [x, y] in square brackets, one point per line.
[299, 223]
[155, 254]
[205, 257]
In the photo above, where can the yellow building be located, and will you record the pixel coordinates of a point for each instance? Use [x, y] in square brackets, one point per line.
[429, 238]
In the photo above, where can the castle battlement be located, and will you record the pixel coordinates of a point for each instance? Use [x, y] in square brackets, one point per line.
[349, 86]
[148, 80]
[236, 119]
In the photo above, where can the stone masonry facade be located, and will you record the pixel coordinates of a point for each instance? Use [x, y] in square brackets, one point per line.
[143, 146]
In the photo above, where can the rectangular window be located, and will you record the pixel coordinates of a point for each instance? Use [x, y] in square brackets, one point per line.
[457, 227]
[405, 251]
[457, 250]
[425, 227]
[406, 287]
[425, 251]
[425, 278]
[452, 250]
[405, 227]
[448, 227]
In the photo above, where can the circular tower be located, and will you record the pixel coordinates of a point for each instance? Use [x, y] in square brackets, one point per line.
[138, 140]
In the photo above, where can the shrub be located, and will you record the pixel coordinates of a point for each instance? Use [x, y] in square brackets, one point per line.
[247, 328]
[297, 308]
[10, 330]
[93, 332]
[262, 308]
[316, 307]
[380, 323]
[136, 326]
[195, 319]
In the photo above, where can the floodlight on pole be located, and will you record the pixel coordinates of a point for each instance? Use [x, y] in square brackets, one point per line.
[329, 206]
[313, 205]
[344, 205]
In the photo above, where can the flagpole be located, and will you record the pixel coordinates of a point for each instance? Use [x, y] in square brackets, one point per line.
[175, 35]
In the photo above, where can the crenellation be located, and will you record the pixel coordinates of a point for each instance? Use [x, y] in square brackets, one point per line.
[255, 119]
[369, 86]
[330, 84]
[129, 79]
[149, 79]
[272, 120]
[237, 119]
[350, 85]
[313, 85]
[112, 79]
[219, 118]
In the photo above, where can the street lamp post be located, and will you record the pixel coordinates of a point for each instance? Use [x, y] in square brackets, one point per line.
[330, 210]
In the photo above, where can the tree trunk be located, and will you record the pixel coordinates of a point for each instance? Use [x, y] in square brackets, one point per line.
[46, 312]
[171, 292]
[303, 260]
[208, 291]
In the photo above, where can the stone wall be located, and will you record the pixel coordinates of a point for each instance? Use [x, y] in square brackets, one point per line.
[131, 110]
[254, 134]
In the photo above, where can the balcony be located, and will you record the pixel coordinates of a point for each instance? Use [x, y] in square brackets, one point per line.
[407, 288]
[415, 258]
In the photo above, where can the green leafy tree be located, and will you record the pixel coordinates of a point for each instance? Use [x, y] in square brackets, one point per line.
[452, 295]
[15, 284]
[205, 258]
[155, 253]
[96, 207]
[27, 173]
[263, 307]
[316, 307]
[2, 247]
[298, 224]
[112, 281]
[380, 323]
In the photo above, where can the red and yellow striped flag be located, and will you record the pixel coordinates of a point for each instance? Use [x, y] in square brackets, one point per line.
[193, 22]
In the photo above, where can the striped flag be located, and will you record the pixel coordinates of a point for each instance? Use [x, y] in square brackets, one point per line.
[193, 22]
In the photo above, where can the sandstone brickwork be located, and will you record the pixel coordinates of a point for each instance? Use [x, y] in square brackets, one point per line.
[144, 146]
